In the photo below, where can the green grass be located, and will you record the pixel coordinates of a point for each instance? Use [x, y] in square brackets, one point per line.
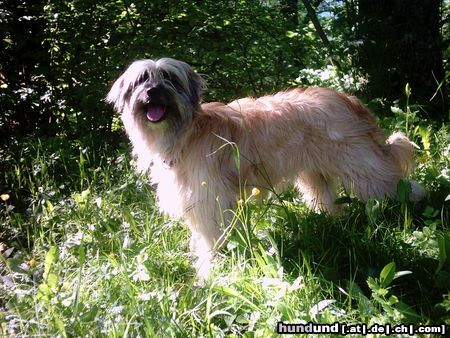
[85, 253]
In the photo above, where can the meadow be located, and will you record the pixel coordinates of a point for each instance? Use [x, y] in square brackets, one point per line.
[85, 253]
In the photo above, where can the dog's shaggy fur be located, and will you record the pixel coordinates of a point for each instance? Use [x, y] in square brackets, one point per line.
[315, 138]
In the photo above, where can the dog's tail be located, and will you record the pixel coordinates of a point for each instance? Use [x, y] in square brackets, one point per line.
[402, 151]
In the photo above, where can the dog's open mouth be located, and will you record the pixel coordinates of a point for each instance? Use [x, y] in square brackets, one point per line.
[155, 113]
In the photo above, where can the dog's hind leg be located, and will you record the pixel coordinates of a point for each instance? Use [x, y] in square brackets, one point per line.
[319, 191]
[376, 170]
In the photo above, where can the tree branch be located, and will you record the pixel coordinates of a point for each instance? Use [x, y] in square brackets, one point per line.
[313, 17]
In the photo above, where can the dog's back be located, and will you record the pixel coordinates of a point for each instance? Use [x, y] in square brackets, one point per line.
[317, 130]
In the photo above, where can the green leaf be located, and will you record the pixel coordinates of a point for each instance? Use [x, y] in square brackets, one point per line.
[443, 240]
[44, 292]
[233, 293]
[387, 274]
[291, 34]
[59, 325]
[286, 312]
[407, 311]
[52, 281]
[424, 133]
[373, 210]
[50, 258]
[83, 198]
[90, 314]
[392, 300]
[364, 304]
[382, 291]
[373, 285]
[49, 207]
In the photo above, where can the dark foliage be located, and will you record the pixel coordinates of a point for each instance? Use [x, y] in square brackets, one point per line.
[58, 58]
[402, 44]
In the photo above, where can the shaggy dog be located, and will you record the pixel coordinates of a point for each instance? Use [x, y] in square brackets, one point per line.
[203, 157]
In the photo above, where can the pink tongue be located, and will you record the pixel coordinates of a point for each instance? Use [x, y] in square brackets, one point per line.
[155, 113]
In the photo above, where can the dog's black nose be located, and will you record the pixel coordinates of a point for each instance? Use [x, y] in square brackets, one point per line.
[154, 92]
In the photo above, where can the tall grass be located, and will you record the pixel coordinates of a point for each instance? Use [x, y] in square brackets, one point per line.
[85, 253]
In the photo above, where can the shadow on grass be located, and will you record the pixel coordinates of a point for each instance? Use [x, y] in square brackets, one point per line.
[351, 248]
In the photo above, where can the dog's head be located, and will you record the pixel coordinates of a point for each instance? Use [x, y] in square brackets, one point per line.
[156, 92]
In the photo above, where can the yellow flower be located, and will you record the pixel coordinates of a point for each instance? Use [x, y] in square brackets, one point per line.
[255, 191]
[4, 197]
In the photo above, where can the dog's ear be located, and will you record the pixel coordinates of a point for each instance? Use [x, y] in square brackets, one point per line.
[196, 87]
[116, 95]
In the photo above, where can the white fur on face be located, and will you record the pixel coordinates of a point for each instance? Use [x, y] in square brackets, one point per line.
[166, 70]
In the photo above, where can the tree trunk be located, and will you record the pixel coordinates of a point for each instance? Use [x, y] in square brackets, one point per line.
[402, 44]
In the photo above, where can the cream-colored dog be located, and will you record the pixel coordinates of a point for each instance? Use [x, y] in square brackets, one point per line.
[315, 138]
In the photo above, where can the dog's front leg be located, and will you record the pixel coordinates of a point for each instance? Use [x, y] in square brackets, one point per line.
[207, 219]
[202, 247]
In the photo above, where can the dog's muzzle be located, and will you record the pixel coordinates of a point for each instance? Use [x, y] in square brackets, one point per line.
[155, 110]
